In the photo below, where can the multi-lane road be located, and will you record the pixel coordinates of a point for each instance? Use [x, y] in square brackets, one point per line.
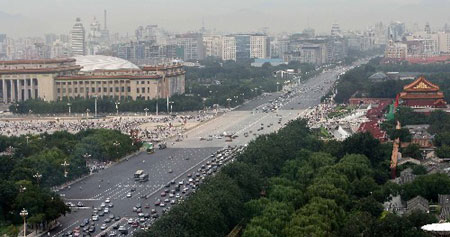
[263, 115]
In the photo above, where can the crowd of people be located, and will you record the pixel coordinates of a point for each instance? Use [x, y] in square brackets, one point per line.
[149, 128]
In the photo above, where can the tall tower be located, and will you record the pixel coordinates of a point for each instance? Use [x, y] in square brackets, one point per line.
[335, 30]
[77, 38]
[104, 24]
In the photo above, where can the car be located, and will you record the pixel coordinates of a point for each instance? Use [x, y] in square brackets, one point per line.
[134, 224]
[103, 227]
[107, 200]
[117, 218]
[106, 211]
[80, 204]
[157, 202]
[101, 213]
[112, 234]
[111, 216]
[172, 182]
[95, 218]
[163, 194]
[153, 211]
[128, 195]
[138, 205]
[110, 205]
[116, 226]
[162, 204]
[170, 171]
[92, 229]
[172, 201]
[130, 221]
[107, 220]
[102, 205]
[166, 200]
[132, 189]
[123, 230]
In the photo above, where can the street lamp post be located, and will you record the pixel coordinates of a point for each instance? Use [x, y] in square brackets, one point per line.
[116, 144]
[86, 156]
[27, 137]
[229, 104]
[146, 111]
[70, 111]
[95, 106]
[117, 103]
[38, 177]
[277, 85]
[171, 106]
[65, 164]
[87, 113]
[24, 214]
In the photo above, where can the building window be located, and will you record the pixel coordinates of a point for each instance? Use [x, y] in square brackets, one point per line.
[129, 89]
[93, 90]
[70, 90]
[81, 90]
[64, 83]
[111, 89]
[64, 90]
[105, 89]
[122, 89]
[137, 90]
[58, 90]
[117, 89]
[99, 89]
[76, 90]
[81, 82]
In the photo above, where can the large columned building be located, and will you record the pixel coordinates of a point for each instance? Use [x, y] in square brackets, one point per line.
[87, 76]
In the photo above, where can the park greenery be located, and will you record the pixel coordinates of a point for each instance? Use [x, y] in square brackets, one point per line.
[291, 183]
[438, 120]
[356, 83]
[30, 165]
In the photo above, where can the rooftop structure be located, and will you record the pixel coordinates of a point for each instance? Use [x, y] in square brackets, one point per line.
[422, 93]
[100, 62]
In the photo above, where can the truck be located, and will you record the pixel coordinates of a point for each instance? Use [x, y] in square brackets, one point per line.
[137, 175]
[148, 146]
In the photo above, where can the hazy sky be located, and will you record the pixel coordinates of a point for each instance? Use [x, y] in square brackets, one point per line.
[37, 17]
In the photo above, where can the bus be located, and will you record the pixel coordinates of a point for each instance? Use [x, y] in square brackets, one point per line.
[143, 178]
[148, 146]
[138, 174]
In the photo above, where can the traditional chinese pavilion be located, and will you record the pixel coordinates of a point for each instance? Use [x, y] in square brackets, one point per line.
[422, 93]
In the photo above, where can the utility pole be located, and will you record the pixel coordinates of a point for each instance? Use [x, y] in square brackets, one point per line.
[95, 109]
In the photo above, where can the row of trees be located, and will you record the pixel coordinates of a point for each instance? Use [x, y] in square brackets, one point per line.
[106, 105]
[31, 164]
[292, 184]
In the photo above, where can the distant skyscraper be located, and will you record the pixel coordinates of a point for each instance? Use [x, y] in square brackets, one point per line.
[336, 30]
[77, 37]
[396, 30]
[428, 28]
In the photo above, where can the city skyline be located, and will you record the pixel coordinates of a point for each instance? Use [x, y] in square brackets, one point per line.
[37, 19]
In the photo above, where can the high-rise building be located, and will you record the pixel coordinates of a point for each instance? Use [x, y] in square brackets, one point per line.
[336, 30]
[77, 37]
[228, 48]
[190, 46]
[396, 30]
[259, 46]
[213, 45]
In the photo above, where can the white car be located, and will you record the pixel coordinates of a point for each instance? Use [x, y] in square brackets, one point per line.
[107, 200]
[103, 227]
[95, 218]
[128, 195]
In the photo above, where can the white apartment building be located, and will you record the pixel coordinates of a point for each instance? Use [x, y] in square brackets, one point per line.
[228, 48]
[77, 39]
[213, 45]
[259, 46]
[395, 50]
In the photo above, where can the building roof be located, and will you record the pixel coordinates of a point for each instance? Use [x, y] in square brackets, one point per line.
[37, 61]
[101, 62]
[421, 84]
[378, 76]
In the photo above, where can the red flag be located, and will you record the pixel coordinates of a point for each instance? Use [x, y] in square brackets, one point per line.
[396, 101]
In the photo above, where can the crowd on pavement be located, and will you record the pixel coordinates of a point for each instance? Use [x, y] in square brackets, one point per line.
[144, 128]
